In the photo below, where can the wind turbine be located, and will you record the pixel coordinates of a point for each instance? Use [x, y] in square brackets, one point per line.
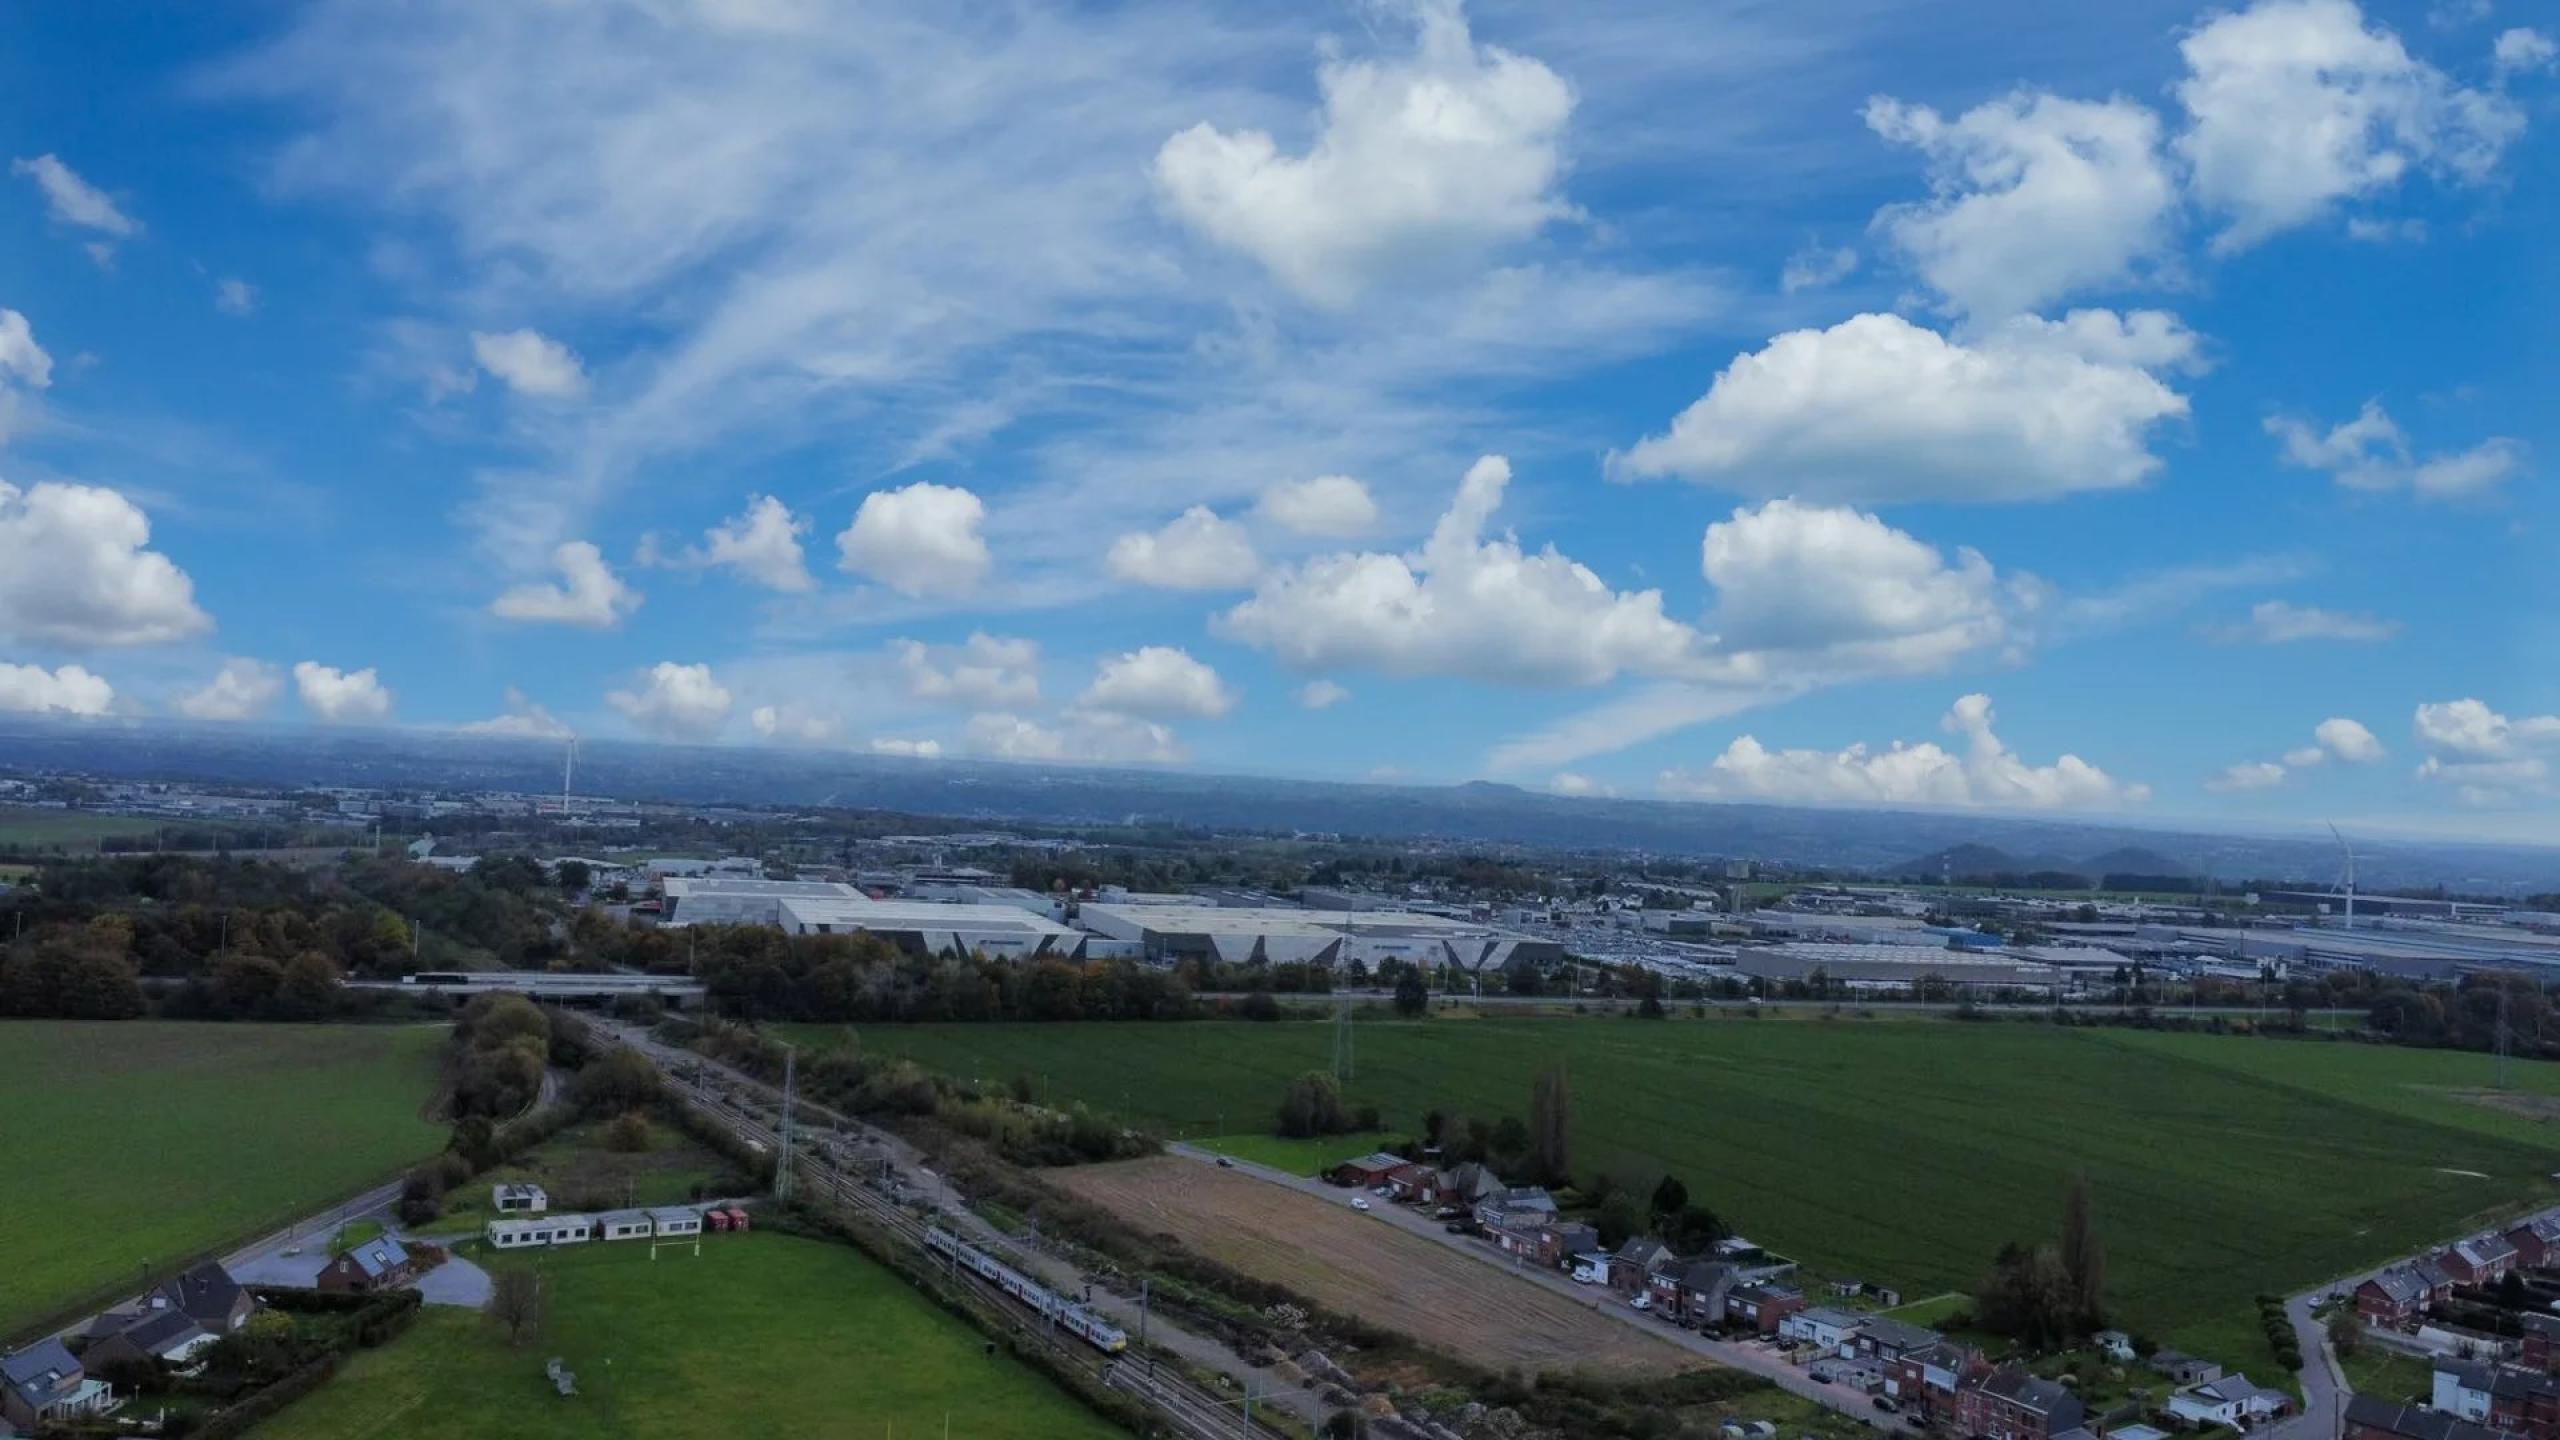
[2349, 877]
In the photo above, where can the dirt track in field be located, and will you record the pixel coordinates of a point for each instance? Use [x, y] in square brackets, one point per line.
[1363, 1266]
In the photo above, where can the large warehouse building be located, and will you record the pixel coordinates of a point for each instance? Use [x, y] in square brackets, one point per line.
[1874, 967]
[815, 907]
[1282, 935]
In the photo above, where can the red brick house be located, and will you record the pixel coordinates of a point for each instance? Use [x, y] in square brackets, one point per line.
[1762, 1308]
[2480, 1260]
[2540, 1334]
[2537, 1241]
[2503, 1397]
[378, 1264]
[1635, 1262]
[2397, 1296]
[2372, 1418]
[1368, 1170]
[1927, 1381]
[2012, 1404]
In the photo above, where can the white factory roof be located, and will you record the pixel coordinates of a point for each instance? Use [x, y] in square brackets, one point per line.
[826, 908]
[1285, 933]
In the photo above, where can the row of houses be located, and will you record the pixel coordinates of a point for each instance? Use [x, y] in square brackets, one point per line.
[2401, 1294]
[45, 1384]
[672, 1222]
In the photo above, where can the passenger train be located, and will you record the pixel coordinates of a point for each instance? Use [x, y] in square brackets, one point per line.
[1078, 1320]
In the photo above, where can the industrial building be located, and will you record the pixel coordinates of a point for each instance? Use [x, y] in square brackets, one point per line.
[818, 907]
[1879, 967]
[1282, 935]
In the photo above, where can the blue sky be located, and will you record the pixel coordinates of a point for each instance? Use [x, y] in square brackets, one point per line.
[2135, 409]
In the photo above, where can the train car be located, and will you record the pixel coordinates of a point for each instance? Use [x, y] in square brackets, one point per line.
[1078, 1320]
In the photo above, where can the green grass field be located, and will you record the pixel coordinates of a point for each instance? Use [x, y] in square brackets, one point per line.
[140, 1143]
[1904, 1153]
[763, 1335]
[27, 828]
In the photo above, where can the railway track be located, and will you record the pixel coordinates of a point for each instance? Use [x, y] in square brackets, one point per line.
[1189, 1409]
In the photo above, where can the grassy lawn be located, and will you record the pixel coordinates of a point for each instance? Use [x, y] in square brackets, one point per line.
[1934, 1310]
[2389, 1374]
[137, 1144]
[764, 1335]
[581, 1173]
[1905, 1152]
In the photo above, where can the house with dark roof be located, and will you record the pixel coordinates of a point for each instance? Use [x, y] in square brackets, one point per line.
[2537, 1240]
[206, 1294]
[2541, 1338]
[1634, 1261]
[2183, 1368]
[2011, 1403]
[381, 1263]
[132, 1336]
[2504, 1397]
[2370, 1417]
[2480, 1260]
[1370, 1169]
[2394, 1297]
[1884, 1340]
[1927, 1381]
[1762, 1307]
[44, 1385]
[1469, 1183]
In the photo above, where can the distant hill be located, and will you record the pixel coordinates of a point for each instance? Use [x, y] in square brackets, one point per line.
[1492, 818]
[2134, 860]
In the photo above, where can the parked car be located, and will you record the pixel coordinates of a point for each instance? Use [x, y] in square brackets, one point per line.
[1447, 1212]
[1225, 1164]
[1642, 1302]
[1885, 1404]
[1459, 1227]
[1359, 1202]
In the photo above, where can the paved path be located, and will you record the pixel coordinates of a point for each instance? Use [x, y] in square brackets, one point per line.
[1759, 1358]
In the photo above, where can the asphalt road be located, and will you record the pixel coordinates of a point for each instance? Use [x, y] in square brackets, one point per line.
[1606, 1306]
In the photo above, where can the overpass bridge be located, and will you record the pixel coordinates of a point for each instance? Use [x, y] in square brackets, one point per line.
[548, 986]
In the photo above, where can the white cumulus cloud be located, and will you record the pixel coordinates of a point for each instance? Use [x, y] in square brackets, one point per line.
[919, 540]
[1321, 695]
[1332, 507]
[74, 571]
[1159, 682]
[2371, 453]
[2035, 198]
[2296, 106]
[675, 702]
[1878, 409]
[2347, 739]
[987, 672]
[587, 594]
[1463, 605]
[2521, 48]
[910, 749]
[241, 690]
[1194, 551]
[1808, 586]
[1418, 161]
[2470, 730]
[68, 690]
[760, 546]
[341, 697]
[530, 363]
[1981, 772]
